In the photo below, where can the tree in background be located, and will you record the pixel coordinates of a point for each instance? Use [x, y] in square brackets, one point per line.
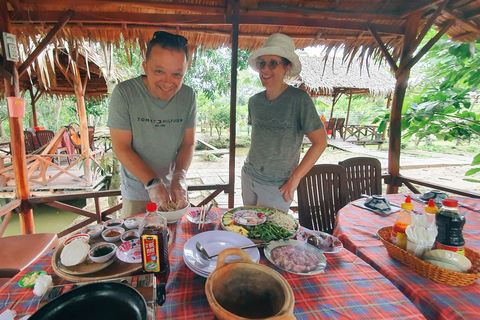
[446, 105]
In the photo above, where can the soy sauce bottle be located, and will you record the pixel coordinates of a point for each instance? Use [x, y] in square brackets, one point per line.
[154, 246]
[450, 222]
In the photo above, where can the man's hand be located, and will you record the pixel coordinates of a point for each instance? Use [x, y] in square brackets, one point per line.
[178, 188]
[158, 193]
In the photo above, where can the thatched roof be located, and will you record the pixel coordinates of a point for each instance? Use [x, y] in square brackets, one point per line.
[327, 77]
[208, 23]
[45, 74]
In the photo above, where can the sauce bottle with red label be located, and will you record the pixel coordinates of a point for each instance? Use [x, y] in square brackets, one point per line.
[154, 244]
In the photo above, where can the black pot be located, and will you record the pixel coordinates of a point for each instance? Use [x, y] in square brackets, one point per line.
[102, 301]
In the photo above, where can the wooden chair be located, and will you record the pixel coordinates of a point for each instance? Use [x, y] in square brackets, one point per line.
[74, 132]
[331, 126]
[322, 192]
[364, 176]
[91, 142]
[339, 127]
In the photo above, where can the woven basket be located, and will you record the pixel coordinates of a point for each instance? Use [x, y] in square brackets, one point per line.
[429, 270]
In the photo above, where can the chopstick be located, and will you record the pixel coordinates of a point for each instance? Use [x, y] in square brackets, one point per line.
[202, 217]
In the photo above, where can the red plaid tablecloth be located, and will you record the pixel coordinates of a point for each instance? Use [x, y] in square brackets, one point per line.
[357, 228]
[349, 288]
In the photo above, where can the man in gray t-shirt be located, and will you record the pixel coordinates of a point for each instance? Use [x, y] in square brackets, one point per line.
[152, 122]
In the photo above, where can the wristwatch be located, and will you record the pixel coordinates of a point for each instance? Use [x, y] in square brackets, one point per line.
[152, 182]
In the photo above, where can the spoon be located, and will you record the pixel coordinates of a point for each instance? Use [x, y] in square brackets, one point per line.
[205, 255]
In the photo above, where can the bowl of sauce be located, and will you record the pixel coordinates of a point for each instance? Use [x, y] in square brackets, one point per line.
[102, 252]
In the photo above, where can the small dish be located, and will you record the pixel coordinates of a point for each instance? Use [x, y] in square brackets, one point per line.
[25, 278]
[130, 235]
[102, 252]
[81, 236]
[132, 222]
[115, 222]
[94, 231]
[194, 216]
[286, 254]
[249, 217]
[130, 252]
[325, 242]
[112, 234]
[378, 203]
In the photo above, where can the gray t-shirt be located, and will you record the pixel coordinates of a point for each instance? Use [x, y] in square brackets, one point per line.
[157, 126]
[278, 127]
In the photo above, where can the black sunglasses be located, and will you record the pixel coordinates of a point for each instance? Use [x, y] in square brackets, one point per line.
[272, 64]
[169, 37]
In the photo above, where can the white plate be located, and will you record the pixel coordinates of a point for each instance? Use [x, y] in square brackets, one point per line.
[214, 242]
[130, 251]
[336, 246]
[194, 216]
[249, 217]
[300, 248]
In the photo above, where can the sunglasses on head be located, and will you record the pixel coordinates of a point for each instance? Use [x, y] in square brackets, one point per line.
[170, 37]
[272, 64]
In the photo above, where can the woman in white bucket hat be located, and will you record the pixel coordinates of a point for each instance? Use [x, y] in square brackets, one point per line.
[280, 116]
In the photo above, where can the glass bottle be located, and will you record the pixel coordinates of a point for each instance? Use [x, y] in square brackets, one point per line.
[450, 222]
[154, 244]
[404, 219]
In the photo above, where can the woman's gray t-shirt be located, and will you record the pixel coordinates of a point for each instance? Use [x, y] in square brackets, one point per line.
[157, 126]
[278, 128]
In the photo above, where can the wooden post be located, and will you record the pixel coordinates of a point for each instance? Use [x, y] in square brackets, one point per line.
[333, 105]
[233, 105]
[348, 115]
[19, 162]
[389, 100]
[34, 110]
[398, 98]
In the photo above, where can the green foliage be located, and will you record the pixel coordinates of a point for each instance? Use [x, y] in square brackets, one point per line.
[210, 71]
[443, 107]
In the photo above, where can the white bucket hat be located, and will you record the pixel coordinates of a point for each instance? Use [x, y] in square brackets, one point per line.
[280, 45]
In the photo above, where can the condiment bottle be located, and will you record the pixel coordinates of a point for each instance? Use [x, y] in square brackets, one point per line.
[154, 244]
[431, 209]
[450, 222]
[404, 219]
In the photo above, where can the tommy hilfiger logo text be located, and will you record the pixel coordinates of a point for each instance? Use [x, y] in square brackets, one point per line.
[159, 122]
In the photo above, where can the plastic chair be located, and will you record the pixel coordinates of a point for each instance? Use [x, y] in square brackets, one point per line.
[31, 141]
[339, 127]
[331, 126]
[322, 192]
[364, 176]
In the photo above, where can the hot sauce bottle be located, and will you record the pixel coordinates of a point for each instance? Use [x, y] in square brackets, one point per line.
[404, 219]
[154, 244]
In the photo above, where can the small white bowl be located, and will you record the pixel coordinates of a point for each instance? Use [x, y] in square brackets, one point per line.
[81, 236]
[104, 258]
[130, 235]
[94, 231]
[115, 222]
[174, 216]
[132, 222]
[107, 234]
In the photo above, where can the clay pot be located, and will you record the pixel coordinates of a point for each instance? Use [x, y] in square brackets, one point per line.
[247, 290]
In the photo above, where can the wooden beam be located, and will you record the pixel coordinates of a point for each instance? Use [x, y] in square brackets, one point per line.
[383, 48]
[419, 6]
[265, 8]
[462, 22]
[158, 20]
[233, 101]
[428, 24]
[398, 98]
[204, 9]
[45, 41]
[410, 63]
